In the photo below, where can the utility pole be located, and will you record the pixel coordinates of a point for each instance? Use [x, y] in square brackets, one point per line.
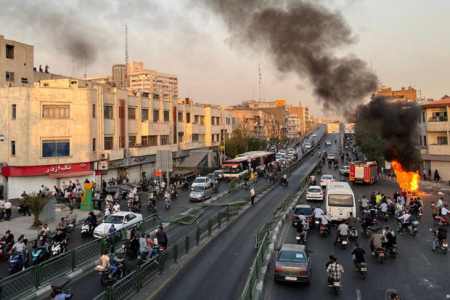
[126, 55]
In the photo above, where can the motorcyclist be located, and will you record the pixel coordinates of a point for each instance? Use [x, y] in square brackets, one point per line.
[351, 220]
[105, 261]
[114, 260]
[358, 255]
[334, 272]
[367, 221]
[389, 238]
[284, 179]
[20, 248]
[41, 243]
[92, 220]
[318, 212]
[326, 221]
[405, 218]
[143, 248]
[342, 231]
[8, 241]
[375, 241]
[439, 236]
[60, 237]
[62, 224]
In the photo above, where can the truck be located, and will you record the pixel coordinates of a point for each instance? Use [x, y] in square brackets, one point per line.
[364, 172]
[333, 127]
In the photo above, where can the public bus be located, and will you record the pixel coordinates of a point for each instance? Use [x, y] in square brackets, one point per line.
[340, 201]
[246, 161]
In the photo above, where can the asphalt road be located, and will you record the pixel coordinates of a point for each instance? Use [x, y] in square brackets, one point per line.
[417, 273]
[220, 269]
[83, 291]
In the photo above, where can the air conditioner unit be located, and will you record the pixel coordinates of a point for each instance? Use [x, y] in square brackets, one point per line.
[104, 156]
[103, 165]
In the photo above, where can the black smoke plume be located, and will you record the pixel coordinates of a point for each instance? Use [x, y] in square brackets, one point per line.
[302, 38]
[396, 123]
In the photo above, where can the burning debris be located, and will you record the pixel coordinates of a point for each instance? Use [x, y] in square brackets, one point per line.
[408, 181]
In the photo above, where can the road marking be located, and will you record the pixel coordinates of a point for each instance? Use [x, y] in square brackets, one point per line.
[426, 259]
[358, 295]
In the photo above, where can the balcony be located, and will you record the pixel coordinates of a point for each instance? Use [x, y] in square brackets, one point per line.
[155, 128]
[441, 125]
[438, 150]
[191, 145]
[150, 150]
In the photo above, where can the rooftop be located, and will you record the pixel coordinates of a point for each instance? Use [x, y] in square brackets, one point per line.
[440, 103]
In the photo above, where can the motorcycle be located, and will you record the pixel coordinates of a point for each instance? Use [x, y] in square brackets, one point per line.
[86, 230]
[38, 255]
[57, 249]
[353, 233]
[343, 241]
[412, 228]
[15, 262]
[143, 257]
[323, 230]
[441, 221]
[336, 166]
[442, 244]
[329, 165]
[2, 251]
[173, 194]
[105, 280]
[379, 254]
[284, 181]
[129, 250]
[167, 203]
[393, 251]
[362, 270]
[319, 171]
[185, 186]
[336, 286]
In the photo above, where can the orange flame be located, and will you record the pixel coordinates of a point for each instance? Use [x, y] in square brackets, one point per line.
[408, 181]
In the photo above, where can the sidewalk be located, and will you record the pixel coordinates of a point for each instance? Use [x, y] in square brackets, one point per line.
[429, 185]
[22, 225]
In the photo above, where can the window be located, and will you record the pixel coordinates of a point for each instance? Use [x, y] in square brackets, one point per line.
[212, 137]
[180, 136]
[195, 137]
[93, 112]
[55, 148]
[442, 140]
[131, 141]
[108, 112]
[164, 140]
[180, 117]
[24, 80]
[13, 111]
[10, 51]
[56, 111]
[13, 148]
[108, 143]
[155, 115]
[166, 116]
[10, 76]
[425, 140]
[188, 117]
[144, 115]
[228, 121]
[144, 140]
[153, 140]
[423, 117]
[131, 113]
[340, 200]
[93, 144]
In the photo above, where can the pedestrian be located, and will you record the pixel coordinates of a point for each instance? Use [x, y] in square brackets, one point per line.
[104, 184]
[436, 176]
[424, 174]
[162, 237]
[252, 194]
[429, 174]
[8, 207]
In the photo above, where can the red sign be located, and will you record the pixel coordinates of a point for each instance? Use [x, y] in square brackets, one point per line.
[45, 170]
[158, 173]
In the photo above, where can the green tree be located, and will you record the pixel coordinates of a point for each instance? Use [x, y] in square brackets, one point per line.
[371, 145]
[36, 204]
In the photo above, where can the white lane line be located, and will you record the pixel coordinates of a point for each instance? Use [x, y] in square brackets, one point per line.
[358, 295]
[426, 259]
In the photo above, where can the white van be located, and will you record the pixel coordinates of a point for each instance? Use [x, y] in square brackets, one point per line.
[340, 201]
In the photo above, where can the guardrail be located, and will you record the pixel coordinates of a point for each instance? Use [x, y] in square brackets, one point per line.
[30, 279]
[144, 274]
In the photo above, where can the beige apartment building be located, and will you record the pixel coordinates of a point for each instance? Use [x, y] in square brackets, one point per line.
[302, 113]
[409, 94]
[434, 134]
[257, 121]
[16, 63]
[151, 81]
[68, 129]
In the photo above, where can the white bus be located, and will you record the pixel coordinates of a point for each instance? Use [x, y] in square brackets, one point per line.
[340, 201]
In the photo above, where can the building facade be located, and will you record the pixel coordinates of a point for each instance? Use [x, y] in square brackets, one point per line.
[409, 94]
[434, 134]
[16, 63]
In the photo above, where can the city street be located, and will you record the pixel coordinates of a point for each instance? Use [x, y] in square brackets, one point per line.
[83, 291]
[416, 273]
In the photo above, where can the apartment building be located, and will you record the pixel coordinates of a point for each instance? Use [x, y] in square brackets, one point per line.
[257, 121]
[69, 129]
[151, 81]
[16, 63]
[434, 134]
[302, 113]
[118, 72]
[403, 94]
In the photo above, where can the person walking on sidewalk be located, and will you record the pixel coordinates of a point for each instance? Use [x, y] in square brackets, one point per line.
[436, 176]
[8, 207]
[252, 194]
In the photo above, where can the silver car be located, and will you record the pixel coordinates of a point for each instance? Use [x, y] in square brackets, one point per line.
[293, 264]
[200, 193]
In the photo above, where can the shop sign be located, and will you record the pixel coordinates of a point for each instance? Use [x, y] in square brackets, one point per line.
[45, 170]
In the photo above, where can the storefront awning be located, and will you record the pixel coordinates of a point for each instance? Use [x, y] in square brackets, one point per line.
[73, 174]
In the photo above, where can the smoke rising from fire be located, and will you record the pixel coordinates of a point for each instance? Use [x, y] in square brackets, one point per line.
[395, 122]
[302, 38]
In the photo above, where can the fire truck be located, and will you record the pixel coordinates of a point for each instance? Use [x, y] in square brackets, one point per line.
[364, 172]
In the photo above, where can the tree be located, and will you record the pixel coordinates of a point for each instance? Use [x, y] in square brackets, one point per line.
[36, 204]
[371, 145]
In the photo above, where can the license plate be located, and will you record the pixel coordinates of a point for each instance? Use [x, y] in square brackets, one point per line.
[445, 246]
[295, 223]
[336, 283]
[363, 269]
[381, 254]
[344, 242]
[339, 219]
[297, 238]
[291, 278]
[317, 222]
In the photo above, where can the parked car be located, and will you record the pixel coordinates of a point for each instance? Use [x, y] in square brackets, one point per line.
[120, 220]
[325, 179]
[307, 211]
[132, 186]
[200, 193]
[314, 192]
[213, 178]
[201, 181]
[219, 173]
[293, 264]
[345, 170]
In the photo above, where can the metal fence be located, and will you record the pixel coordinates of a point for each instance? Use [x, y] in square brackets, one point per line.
[30, 279]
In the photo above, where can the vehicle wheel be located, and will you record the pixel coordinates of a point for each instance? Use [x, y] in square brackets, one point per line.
[393, 255]
[308, 282]
[380, 259]
[83, 235]
[336, 290]
[12, 271]
[444, 251]
[275, 280]
[104, 280]
[363, 275]
[412, 233]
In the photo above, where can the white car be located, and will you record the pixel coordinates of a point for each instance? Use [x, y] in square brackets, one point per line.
[120, 220]
[325, 179]
[282, 152]
[331, 156]
[291, 151]
[345, 170]
[314, 135]
[328, 143]
[314, 192]
[201, 181]
[307, 145]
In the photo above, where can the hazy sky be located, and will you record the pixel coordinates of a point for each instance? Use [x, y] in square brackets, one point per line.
[407, 41]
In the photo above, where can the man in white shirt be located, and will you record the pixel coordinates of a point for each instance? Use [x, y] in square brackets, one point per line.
[326, 221]
[384, 207]
[364, 203]
[8, 207]
[318, 212]
[404, 218]
[445, 212]
[116, 207]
